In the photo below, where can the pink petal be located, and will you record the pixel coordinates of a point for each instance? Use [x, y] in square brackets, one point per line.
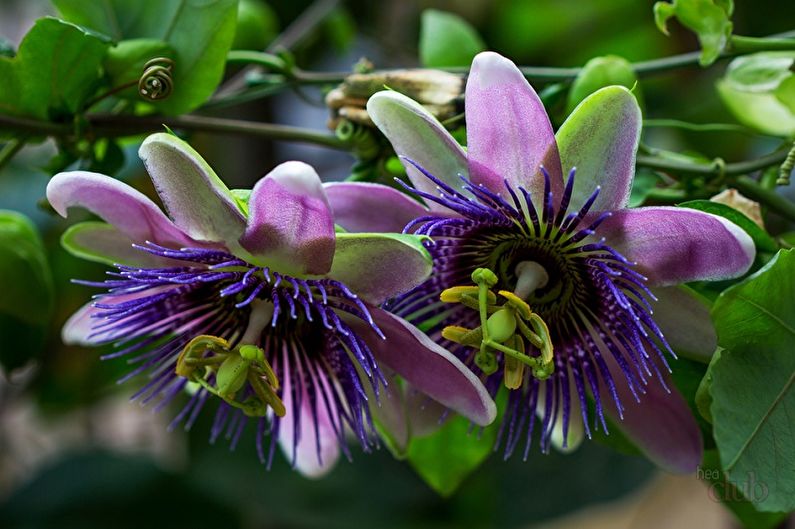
[600, 138]
[418, 136]
[677, 245]
[378, 266]
[316, 448]
[290, 226]
[198, 201]
[365, 207]
[126, 208]
[685, 322]
[508, 131]
[426, 366]
[661, 425]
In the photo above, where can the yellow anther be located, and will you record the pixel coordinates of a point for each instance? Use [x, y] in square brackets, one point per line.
[454, 294]
[518, 303]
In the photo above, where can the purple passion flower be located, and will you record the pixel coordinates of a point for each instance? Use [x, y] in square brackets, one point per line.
[255, 297]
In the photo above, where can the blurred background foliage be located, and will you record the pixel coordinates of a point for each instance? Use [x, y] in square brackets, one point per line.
[74, 453]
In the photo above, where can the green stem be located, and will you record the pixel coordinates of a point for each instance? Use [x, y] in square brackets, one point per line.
[739, 44]
[108, 125]
[10, 149]
[698, 127]
[753, 190]
[258, 58]
[711, 169]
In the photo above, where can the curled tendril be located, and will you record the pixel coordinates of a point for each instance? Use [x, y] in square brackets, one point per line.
[362, 140]
[156, 82]
[786, 168]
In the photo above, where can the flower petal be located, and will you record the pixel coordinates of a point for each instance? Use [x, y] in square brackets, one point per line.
[79, 328]
[103, 243]
[509, 135]
[378, 266]
[193, 195]
[661, 425]
[365, 207]
[389, 413]
[685, 322]
[575, 429]
[290, 225]
[129, 210]
[600, 138]
[418, 136]
[316, 448]
[426, 366]
[677, 245]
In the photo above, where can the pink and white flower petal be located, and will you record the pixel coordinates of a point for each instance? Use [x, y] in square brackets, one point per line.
[306, 433]
[193, 195]
[661, 425]
[130, 211]
[104, 243]
[426, 366]
[676, 245]
[378, 266]
[509, 136]
[684, 319]
[417, 135]
[600, 138]
[290, 226]
[366, 207]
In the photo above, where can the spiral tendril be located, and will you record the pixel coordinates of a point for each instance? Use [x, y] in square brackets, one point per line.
[156, 82]
[786, 168]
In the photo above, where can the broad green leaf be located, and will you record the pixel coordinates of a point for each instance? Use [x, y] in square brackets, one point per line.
[733, 498]
[27, 292]
[763, 241]
[598, 73]
[753, 398]
[709, 19]
[446, 457]
[125, 62]
[447, 39]
[761, 111]
[57, 67]
[703, 393]
[199, 31]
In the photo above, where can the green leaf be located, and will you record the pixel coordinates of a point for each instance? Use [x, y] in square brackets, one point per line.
[763, 241]
[55, 70]
[598, 73]
[753, 400]
[447, 39]
[703, 393]
[199, 31]
[733, 498]
[446, 457]
[124, 63]
[709, 19]
[27, 292]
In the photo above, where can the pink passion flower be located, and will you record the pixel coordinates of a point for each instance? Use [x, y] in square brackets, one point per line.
[601, 277]
[256, 297]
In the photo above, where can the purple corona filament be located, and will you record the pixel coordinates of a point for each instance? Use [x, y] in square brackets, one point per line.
[594, 303]
[151, 314]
